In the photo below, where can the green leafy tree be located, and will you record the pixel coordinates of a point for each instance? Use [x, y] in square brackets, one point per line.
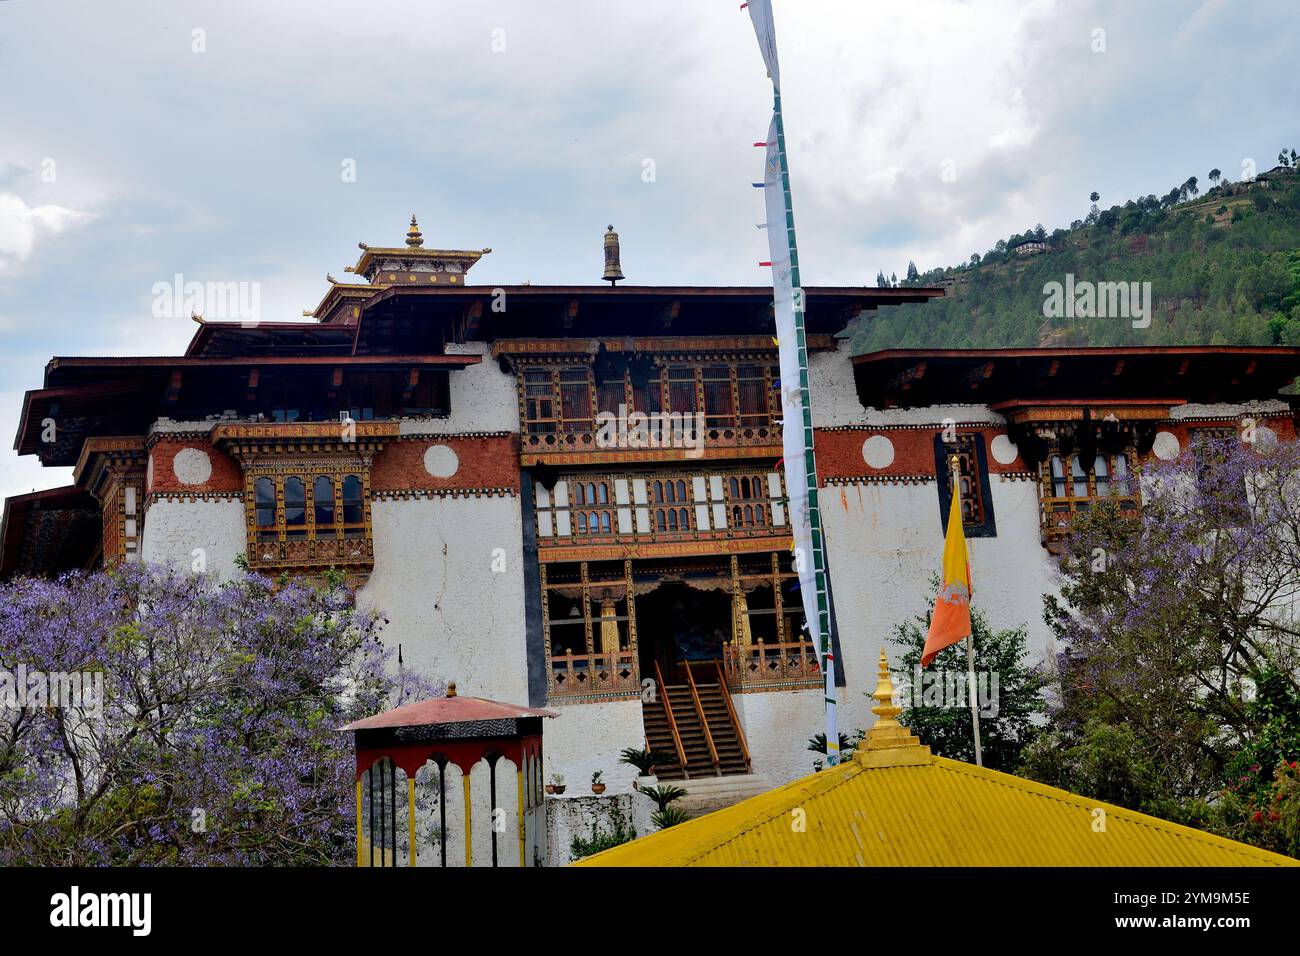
[1195, 265]
[1177, 692]
[944, 722]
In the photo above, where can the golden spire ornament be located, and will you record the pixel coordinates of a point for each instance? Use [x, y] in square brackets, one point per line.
[414, 238]
[888, 743]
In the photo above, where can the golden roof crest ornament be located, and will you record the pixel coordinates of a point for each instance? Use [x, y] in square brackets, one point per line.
[888, 743]
[414, 238]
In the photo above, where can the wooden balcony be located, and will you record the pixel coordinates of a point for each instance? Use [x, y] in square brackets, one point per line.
[765, 667]
[582, 448]
[1059, 514]
[591, 677]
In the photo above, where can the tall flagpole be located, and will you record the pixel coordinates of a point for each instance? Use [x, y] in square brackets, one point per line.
[810, 458]
[788, 310]
[955, 464]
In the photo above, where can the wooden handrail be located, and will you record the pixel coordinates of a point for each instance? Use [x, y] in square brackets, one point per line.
[704, 720]
[731, 709]
[672, 724]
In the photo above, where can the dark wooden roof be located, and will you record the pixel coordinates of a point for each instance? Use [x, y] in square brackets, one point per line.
[1193, 373]
[228, 339]
[124, 395]
[49, 532]
[592, 311]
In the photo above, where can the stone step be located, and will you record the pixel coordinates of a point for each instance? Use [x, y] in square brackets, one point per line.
[707, 794]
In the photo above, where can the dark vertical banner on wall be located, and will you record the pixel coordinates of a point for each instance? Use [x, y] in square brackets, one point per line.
[534, 639]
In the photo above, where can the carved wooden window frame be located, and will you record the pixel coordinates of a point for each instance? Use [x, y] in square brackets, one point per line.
[976, 496]
[545, 383]
[345, 544]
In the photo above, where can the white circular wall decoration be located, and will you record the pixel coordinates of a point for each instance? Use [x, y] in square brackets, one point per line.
[192, 466]
[440, 461]
[1165, 446]
[1004, 449]
[878, 452]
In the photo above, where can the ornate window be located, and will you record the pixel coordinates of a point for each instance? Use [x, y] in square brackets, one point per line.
[1070, 482]
[575, 399]
[668, 500]
[751, 394]
[680, 385]
[719, 409]
[972, 473]
[592, 512]
[539, 400]
[589, 630]
[294, 512]
[558, 399]
[769, 649]
[749, 502]
[567, 398]
[306, 491]
[685, 504]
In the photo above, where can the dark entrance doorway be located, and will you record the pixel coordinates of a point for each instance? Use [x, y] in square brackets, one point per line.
[678, 623]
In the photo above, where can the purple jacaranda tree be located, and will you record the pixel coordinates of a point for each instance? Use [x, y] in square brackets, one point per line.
[216, 741]
[1168, 621]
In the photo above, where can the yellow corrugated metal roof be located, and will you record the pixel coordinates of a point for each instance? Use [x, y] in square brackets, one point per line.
[894, 804]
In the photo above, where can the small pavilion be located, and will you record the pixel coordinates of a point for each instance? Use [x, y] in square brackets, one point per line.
[426, 744]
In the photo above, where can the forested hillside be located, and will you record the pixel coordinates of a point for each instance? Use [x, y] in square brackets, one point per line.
[1224, 268]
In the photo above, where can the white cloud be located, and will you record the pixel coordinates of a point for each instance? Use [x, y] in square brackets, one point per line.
[22, 225]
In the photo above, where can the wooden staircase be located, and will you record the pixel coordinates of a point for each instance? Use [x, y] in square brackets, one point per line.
[695, 721]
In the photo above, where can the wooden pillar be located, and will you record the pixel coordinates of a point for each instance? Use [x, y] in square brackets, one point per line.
[609, 643]
[469, 828]
[586, 608]
[522, 811]
[778, 600]
[410, 820]
[631, 617]
[360, 858]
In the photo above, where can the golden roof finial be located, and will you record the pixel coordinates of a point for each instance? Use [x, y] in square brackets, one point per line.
[414, 238]
[885, 707]
[888, 743]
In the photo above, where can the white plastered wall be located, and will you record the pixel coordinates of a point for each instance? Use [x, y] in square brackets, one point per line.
[585, 738]
[178, 532]
[884, 543]
[777, 726]
[456, 618]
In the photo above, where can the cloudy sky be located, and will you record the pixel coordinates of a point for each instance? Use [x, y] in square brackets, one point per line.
[141, 138]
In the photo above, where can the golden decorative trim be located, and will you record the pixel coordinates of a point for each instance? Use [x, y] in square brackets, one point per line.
[417, 493]
[663, 549]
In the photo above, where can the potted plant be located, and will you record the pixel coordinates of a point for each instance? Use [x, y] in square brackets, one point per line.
[596, 785]
[645, 761]
[557, 784]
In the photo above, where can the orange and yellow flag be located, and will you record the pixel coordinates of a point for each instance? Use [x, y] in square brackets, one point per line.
[950, 622]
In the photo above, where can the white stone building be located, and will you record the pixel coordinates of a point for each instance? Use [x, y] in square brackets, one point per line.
[571, 497]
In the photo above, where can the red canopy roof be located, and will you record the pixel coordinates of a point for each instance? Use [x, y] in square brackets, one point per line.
[446, 710]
